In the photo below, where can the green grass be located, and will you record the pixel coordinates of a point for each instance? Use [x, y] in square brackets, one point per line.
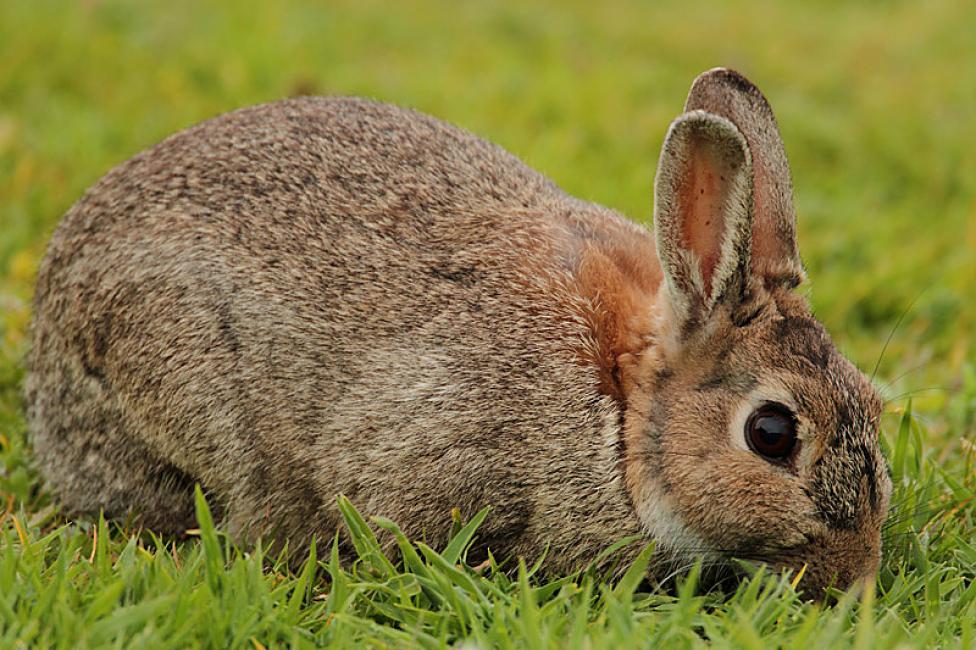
[877, 104]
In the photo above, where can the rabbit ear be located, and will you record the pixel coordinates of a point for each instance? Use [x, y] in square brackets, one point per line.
[727, 93]
[702, 214]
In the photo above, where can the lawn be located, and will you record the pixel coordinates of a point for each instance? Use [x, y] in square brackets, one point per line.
[877, 105]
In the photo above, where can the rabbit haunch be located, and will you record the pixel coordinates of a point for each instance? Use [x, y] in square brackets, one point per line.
[326, 295]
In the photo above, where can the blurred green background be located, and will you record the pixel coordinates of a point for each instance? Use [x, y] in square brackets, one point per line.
[877, 105]
[876, 102]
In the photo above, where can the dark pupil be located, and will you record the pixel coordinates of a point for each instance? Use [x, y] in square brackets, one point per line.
[771, 431]
[772, 428]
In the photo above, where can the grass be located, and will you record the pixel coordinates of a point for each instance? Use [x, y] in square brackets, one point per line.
[93, 585]
[878, 110]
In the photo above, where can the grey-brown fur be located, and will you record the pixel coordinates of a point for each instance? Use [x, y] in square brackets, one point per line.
[323, 296]
[314, 297]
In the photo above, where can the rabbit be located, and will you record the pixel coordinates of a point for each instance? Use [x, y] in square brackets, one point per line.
[324, 296]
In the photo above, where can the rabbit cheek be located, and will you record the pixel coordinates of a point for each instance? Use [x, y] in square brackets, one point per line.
[694, 489]
[736, 504]
[653, 498]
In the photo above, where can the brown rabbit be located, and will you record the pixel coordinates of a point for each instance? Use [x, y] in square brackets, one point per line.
[327, 295]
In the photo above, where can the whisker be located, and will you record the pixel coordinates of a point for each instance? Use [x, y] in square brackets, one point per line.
[913, 392]
[888, 384]
[931, 506]
[929, 515]
[904, 313]
[926, 516]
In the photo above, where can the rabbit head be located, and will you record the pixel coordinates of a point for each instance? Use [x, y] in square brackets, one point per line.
[748, 435]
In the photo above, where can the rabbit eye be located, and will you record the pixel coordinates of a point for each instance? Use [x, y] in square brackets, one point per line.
[771, 431]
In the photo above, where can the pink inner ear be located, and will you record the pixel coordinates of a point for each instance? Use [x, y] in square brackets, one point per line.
[702, 199]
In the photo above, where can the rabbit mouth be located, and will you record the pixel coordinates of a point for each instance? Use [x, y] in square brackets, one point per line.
[723, 571]
[725, 576]
[713, 575]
